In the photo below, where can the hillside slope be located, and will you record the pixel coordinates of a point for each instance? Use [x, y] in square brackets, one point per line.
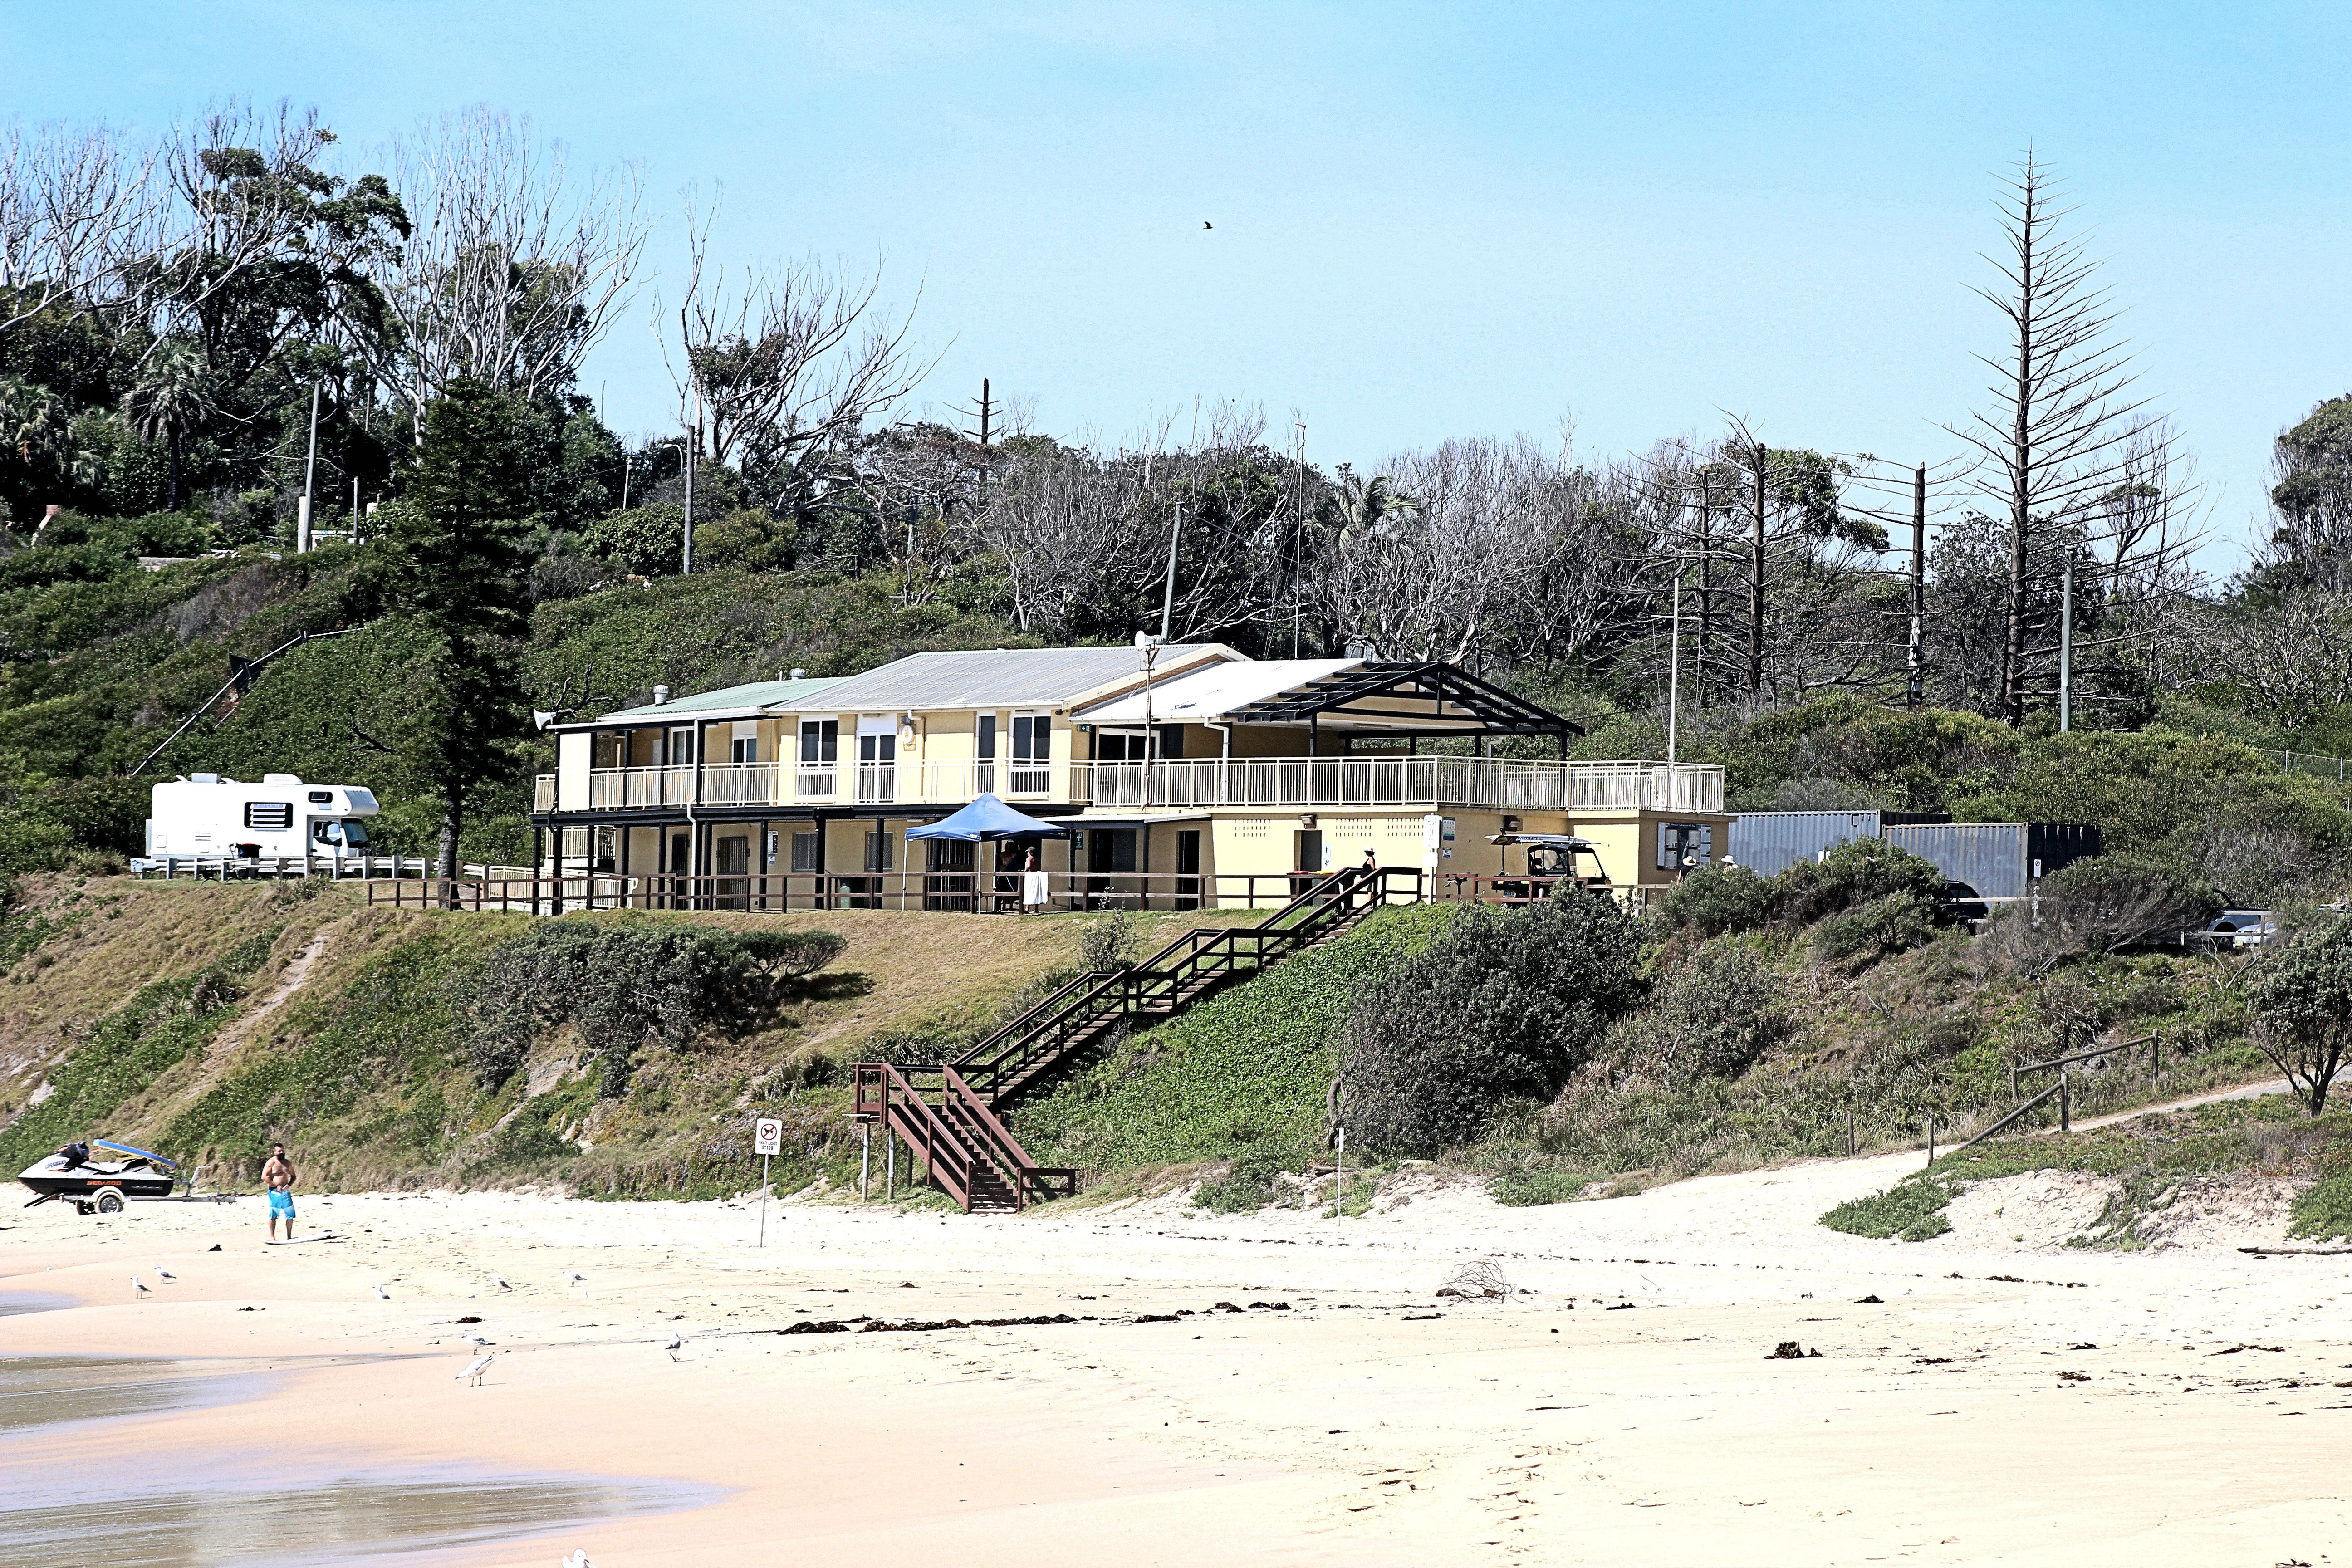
[206, 1020]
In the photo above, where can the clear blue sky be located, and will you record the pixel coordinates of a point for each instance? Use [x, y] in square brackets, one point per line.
[1430, 220]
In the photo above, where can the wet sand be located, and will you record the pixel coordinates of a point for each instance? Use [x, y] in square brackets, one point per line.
[2001, 1402]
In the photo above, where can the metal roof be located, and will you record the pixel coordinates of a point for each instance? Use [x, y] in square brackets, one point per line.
[991, 678]
[1346, 693]
[1457, 699]
[748, 698]
[1207, 694]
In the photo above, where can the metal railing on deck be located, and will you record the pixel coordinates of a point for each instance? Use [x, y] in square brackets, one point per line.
[1435, 781]
[969, 892]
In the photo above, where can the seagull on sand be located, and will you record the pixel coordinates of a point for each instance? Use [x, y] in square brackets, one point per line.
[138, 1288]
[477, 1367]
[163, 1273]
[381, 1294]
[676, 1342]
[575, 1277]
[477, 1340]
[501, 1282]
[577, 1559]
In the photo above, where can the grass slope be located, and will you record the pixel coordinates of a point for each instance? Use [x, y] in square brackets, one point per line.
[170, 1014]
[1244, 1071]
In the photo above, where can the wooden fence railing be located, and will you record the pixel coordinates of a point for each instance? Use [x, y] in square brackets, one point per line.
[973, 892]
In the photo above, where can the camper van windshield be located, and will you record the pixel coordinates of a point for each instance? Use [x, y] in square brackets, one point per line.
[351, 833]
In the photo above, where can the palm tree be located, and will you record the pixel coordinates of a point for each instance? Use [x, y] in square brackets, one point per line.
[171, 402]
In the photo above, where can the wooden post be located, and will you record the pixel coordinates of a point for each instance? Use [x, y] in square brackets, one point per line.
[2065, 1102]
[1931, 1140]
[865, 1160]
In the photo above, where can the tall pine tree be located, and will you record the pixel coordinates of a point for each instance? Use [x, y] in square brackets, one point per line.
[452, 562]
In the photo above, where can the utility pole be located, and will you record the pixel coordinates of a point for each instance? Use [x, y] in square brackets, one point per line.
[2066, 642]
[1675, 668]
[309, 474]
[1913, 660]
[1167, 596]
[1756, 596]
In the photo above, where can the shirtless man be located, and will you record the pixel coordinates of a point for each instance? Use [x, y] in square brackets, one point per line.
[278, 1176]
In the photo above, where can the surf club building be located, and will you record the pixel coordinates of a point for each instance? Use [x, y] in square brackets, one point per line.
[1168, 777]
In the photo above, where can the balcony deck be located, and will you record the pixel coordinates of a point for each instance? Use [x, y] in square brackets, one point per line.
[1274, 783]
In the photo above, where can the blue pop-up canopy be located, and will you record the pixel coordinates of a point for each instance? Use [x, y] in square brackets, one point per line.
[987, 817]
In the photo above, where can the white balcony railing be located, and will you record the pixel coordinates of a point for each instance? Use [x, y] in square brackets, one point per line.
[819, 784]
[610, 789]
[1276, 782]
[1285, 781]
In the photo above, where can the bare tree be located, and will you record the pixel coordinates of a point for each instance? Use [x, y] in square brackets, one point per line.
[1470, 549]
[514, 271]
[786, 357]
[2063, 427]
[78, 210]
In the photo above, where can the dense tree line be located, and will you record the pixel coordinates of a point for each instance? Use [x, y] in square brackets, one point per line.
[172, 311]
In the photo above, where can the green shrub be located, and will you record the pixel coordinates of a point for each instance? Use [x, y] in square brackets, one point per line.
[1892, 923]
[627, 984]
[1525, 1188]
[1911, 1209]
[649, 541]
[2301, 1004]
[2323, 1212]
[1714, 899]
[1714, 1017]
[1247, 1184]
[1854, 873]
[750, 540]
[1502, 1007]
[1108, 942]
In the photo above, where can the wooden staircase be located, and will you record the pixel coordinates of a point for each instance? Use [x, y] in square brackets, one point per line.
[947, 1113]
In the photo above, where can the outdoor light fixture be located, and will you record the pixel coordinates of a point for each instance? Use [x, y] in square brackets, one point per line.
[1305, 819]
[1510, 824]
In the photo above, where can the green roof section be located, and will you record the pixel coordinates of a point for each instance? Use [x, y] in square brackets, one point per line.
[757, 694]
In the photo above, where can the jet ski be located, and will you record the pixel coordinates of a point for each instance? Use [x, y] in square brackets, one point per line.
[98, 1176]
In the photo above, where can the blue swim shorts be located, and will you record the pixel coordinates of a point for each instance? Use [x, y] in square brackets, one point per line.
[280, 1203]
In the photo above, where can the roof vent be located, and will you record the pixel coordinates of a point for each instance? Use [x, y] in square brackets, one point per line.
[281, 779]
[661, 695]
[203, 778]
[800, 675]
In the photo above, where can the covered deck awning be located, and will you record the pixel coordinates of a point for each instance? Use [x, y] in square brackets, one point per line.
[1360, 699]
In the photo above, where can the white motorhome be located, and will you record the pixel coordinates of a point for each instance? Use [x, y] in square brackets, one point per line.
[207, 814]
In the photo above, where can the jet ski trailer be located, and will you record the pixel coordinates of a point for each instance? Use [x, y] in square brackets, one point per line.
[84, 1175]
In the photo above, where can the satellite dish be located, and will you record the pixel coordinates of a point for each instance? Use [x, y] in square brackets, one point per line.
[541, 718]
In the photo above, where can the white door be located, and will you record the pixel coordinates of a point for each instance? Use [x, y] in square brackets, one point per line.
[877, 757]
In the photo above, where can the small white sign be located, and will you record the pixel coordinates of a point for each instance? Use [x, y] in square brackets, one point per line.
[767, 1136]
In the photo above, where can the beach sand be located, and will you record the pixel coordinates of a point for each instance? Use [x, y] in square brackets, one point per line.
[2089, 1408]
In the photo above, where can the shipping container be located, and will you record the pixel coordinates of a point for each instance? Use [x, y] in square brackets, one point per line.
[1768, 842]
[1997, 859]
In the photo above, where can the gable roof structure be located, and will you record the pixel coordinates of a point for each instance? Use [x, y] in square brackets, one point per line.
[1357, 696]
[746, 701]
[1004, 678]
